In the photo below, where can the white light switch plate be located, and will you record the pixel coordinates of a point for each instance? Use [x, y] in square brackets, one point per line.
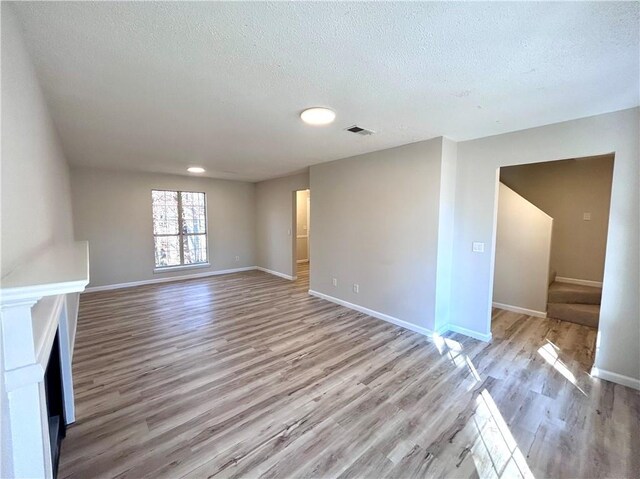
[586, 216]
[478, 247]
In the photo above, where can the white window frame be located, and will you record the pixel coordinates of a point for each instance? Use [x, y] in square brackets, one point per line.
[181, 235]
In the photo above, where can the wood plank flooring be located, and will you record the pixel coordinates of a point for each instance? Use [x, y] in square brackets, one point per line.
[246, 375]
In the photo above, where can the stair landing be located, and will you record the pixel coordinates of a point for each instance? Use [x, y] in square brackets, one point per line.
[574, 303]
[574, 293]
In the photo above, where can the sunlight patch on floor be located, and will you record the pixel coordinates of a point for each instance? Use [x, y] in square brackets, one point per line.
[549, 352]
[496, 453]
[454, 350]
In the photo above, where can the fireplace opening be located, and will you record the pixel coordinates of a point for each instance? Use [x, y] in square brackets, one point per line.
[55, 403]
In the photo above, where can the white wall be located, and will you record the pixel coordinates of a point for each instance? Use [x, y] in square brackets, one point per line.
[523, 253]
[36, 205]
[478, 161]
[112, 210]
[566, 190]
[275, 216]
[445, 233]
[374, 222]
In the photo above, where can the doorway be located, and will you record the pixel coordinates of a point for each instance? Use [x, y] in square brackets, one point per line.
[551, 234]
[302, 228]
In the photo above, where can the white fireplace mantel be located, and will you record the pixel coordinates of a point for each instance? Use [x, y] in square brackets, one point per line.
[33, 309]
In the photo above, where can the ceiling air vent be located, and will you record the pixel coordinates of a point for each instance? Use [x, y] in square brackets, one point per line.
[360, 131]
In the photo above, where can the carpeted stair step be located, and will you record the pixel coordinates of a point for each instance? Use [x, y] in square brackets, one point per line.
[574, 293]
[586, 314]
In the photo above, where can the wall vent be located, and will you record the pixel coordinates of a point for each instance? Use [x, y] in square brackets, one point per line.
[359, 130]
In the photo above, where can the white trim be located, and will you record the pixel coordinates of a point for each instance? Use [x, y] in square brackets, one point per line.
[179, 267]
[21, 377]
[61, 269]
[403, 324]
[615, 378]
[168, 279]
[276, 273]
[517, 309]
[49, 315]
[492, 249]
[375, 314]
[66, 359]
[469, 332]
[582, 282]
[76, 308]
[442, 329]
[302, 261]
[302, 236]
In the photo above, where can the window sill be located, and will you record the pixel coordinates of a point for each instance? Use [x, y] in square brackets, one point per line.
[167, 269]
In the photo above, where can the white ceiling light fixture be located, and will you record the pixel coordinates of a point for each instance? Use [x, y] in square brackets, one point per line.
[196, 169]
[318, 116]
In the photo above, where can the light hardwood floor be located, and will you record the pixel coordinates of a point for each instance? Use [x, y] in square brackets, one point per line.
[246, 375]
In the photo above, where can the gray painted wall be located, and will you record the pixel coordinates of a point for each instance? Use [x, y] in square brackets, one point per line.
[374, 222]
[112, 210]
[566, 190]
[478, 161]
[275, 215]
[36, 205]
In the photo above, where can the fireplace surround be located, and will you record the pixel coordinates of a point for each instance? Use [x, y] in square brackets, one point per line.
[38, 309]
[54, 394]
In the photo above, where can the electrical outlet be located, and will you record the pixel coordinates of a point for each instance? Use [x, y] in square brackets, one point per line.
[356, 288]
[586, 216]
[334, 281]
[478, 247]
[237, 258]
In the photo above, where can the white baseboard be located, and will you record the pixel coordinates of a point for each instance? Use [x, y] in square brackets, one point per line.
[582, 282]
[167, 279]
[375, 314]
[615, 378]
[517, 309]
[442, 329]
[400, 322]
[469, 332]
[276, 273]
[302, 261]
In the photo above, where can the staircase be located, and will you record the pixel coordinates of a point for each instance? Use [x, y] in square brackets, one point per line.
[574, 303]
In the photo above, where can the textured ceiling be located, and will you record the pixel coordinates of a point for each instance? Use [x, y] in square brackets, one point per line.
[158, 86]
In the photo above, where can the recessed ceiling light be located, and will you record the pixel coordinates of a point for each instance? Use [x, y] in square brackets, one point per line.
[318, 116]
[195, 169]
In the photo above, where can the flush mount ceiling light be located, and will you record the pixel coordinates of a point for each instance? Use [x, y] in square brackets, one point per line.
[318, 116]
[195, 169]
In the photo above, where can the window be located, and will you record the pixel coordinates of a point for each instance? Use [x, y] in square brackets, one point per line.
[179, 228]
